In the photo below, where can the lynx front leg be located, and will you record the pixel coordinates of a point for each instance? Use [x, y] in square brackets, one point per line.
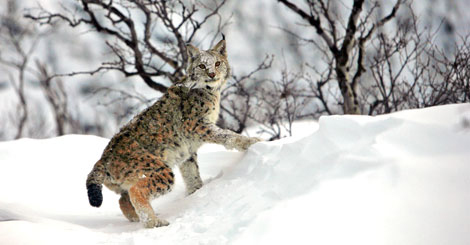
[212, 134]
[241, 142]
[190, 172]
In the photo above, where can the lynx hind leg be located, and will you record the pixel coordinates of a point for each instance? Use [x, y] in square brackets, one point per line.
[124, 202]
[127, 208]
[190, 172]
[157, 183]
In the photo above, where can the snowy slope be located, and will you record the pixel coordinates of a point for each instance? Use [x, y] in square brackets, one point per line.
[402, 178]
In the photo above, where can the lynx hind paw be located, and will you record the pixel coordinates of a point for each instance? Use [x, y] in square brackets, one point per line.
[156, 223]
[162, 222]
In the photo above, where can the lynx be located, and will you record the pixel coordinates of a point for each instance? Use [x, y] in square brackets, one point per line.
[137, 163]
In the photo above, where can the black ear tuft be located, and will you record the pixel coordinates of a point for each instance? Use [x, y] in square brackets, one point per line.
[223, 36]
[220, 48]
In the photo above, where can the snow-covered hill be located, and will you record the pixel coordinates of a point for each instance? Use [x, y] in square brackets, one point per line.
[402, 178]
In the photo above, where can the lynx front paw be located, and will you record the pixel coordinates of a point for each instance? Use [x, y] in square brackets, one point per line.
[196, 186]
[244, 143]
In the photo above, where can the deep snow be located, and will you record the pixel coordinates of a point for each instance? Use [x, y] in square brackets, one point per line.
[402, 178]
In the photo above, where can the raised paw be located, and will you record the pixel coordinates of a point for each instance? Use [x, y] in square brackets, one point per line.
[190, 190]
[245, 142]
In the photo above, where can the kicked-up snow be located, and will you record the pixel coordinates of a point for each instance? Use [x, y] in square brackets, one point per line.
[402, 178]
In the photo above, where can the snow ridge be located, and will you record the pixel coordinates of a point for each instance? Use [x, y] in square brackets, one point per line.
[393, 179]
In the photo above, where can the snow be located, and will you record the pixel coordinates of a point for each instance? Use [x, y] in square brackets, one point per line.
[402, 178]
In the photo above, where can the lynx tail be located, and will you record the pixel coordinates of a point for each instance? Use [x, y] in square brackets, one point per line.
[94, 184]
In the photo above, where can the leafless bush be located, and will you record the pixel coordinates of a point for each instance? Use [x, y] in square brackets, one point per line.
[281, 103]
[239, 98]
[393, 57]
[444, 78]
[271, 104]
[409, 71]
[373, 69]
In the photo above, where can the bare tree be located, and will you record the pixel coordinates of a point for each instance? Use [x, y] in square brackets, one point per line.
[147, 38]
[345, 44]
[16, 38]
[380, 69]
[56, 96]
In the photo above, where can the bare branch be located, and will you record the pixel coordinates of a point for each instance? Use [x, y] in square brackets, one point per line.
[315, 22]
[382, 22]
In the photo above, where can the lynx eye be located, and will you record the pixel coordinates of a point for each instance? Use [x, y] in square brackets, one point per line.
[217, 63]
[202, 66]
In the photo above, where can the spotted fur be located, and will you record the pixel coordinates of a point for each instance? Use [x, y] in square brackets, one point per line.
[137, 163]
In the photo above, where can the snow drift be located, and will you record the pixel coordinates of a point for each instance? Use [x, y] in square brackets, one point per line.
[402, 178]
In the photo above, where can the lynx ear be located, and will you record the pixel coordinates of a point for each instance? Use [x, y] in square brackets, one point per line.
[220, 48]
[192, 52]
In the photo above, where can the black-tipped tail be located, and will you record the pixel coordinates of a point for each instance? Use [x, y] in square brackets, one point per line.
[94, 195]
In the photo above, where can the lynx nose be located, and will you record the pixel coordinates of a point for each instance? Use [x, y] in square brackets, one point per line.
[211, 74]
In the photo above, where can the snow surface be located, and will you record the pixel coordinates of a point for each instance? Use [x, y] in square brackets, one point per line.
[402, 178]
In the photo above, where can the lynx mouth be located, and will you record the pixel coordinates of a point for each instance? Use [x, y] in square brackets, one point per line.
[212, 80]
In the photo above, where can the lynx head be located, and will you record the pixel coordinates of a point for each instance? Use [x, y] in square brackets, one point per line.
[208, 69]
